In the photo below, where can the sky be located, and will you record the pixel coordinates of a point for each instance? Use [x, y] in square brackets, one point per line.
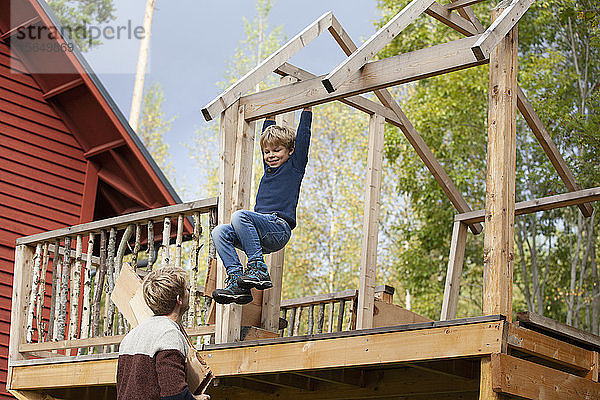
[191, 43]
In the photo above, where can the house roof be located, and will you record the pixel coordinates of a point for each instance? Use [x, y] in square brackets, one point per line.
[128, 177]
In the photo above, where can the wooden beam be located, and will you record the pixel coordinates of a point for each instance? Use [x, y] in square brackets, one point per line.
[90, 190]
[545, 140]
[68, 374]
[549, 348]
[498, 247]
[122, 164]
[121, 186]
[368, 254]
[453, 20]
[156, 214]
[94, 151]
[454, 273]
[6, 35]
[391, 71]
[512, 11]
[359, 350]
[467, 13]
[462, 3]
[374, 44]
[261, 71]
[21, 286]
[62, 88]
[228, 317]
[394, 115]
[516, 377]
[545, 324]
[543, 204]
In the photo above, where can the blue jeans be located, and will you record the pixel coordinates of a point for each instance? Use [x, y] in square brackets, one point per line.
[254, 233]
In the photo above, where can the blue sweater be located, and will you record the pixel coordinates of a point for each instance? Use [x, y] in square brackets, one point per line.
[279, 187]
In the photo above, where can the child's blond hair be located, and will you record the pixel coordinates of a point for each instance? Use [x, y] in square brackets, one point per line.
[161, 288]
[276, 135]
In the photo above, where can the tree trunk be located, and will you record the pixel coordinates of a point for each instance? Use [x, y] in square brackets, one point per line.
[87, 288]
[99, 287]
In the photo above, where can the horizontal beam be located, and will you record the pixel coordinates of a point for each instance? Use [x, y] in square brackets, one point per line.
[320, 298]
[500, 27]
[261, 71]
[516, 377]
[156, 215]
[355, 351]
[549, 348]
[543, 204]
[391, 71]
[374, 44]
[65, 374]
[545, 140]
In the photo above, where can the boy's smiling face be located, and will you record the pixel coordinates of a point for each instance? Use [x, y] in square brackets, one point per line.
[276, 155]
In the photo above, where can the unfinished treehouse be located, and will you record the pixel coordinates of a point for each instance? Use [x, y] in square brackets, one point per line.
[353, 344]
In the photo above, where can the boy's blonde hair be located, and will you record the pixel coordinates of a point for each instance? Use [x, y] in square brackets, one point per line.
[161, 288]
[276, 135]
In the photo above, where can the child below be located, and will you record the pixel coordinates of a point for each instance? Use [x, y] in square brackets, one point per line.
[152, 355]
[269, 227]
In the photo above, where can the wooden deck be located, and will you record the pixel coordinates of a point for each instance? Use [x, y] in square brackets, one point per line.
[427, 360]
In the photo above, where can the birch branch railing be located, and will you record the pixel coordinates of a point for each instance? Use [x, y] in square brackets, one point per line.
[61, 294]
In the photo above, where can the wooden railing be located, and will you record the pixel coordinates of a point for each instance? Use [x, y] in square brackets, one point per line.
[330, 312]
[61, 290]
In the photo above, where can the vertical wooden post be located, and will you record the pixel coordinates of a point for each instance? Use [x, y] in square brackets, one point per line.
[453, 275]
[500, 182]
[498, 247]
[271, 300]
[228, 317]
[24, 258]
[368, 258]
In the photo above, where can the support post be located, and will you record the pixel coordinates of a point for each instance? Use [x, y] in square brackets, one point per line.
[368, 259]
[271, 301]
[498, 250]
[453, 276]
[500, 181]
[21, 285]
[228, 317]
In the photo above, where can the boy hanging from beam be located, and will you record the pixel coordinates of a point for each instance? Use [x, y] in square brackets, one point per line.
[268, 228]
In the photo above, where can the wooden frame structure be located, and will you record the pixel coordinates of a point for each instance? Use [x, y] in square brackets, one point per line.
[487, 357]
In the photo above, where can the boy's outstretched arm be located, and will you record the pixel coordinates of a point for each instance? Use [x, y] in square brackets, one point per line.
[303, 137]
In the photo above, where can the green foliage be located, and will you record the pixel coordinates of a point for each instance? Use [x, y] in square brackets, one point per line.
[153, 126]
[78, 15]
[558, 70]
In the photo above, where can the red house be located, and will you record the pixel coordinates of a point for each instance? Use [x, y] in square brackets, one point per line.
[67, 153]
